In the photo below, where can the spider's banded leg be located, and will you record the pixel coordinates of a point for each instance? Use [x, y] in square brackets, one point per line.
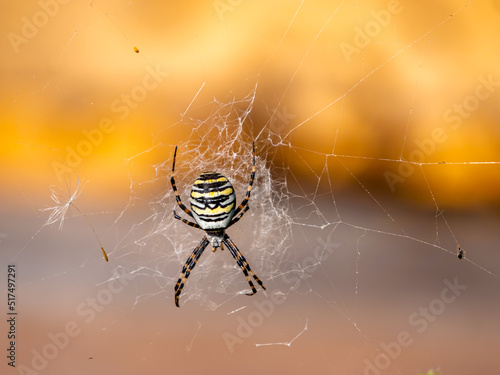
[249, 191]
[188, 267]
[238, 217]
[241, 261]
[190, 223]
[174, 187]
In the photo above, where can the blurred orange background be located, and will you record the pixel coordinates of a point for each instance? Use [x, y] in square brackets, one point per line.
[364, 81]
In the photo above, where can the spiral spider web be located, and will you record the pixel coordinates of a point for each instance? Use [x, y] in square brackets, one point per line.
[352, 226]
[221, 142]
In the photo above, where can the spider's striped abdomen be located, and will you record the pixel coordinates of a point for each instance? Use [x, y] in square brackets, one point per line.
[212, 201]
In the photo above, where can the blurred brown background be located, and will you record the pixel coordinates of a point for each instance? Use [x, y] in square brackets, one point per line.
[349, 98]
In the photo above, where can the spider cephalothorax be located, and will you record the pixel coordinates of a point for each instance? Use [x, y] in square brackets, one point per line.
[213, 207]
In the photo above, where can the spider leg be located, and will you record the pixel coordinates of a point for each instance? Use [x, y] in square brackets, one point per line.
[174, 187]
[241, 261]
[238, 217]
[190, 223]
[188, 267]
[252, 177]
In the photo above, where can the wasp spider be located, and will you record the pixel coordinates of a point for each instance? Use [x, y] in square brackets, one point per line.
[213, 208]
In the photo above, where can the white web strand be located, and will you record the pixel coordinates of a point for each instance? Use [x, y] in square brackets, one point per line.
[286, 343]
[372, 72]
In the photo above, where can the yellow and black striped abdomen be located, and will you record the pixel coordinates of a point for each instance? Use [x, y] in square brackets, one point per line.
[212, 201]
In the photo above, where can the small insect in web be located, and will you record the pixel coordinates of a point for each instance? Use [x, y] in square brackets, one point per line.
[61, 208]
[460, 252]
[213, 209]
[95, 233]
